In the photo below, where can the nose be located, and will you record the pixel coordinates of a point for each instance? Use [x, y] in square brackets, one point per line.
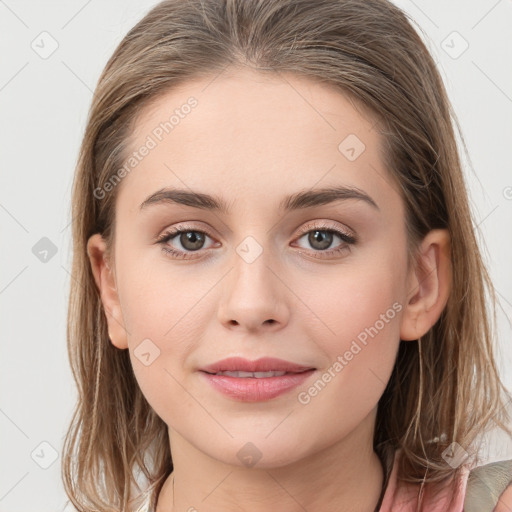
[254, 294]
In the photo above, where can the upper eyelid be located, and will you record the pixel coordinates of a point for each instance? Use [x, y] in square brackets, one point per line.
[320, 224]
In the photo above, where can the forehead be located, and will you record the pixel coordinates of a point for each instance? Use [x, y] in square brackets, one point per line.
[252, 137]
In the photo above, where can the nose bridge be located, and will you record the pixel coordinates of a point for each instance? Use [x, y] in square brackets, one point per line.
[252, 274]
[253, 295]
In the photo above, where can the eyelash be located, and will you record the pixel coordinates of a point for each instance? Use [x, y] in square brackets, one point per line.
[169, 235]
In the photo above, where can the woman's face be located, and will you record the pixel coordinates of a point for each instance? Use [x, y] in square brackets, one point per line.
[265, 275]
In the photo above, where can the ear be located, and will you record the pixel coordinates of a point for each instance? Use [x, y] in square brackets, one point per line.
[105, 281]
[429, 285]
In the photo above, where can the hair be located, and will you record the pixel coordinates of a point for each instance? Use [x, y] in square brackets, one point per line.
[371, 53]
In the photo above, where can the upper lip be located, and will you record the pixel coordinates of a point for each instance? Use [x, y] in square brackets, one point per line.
[264, 364]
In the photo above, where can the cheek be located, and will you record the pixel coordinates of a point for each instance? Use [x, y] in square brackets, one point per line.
[355, 297]
[362, 312]
[158, 295]
[364, 306]
[164, 328]
[161, 307]
[357, 314]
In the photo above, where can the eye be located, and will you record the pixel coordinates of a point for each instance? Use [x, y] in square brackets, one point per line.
[191, 240]
[320, 237]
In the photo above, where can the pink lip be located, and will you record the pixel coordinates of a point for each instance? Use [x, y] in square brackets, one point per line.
[249, 389]
[264, 364]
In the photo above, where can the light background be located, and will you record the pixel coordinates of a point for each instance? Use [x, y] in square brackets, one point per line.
[44, 104]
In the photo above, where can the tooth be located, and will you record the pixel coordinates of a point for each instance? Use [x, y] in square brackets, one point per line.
[257, 375]
[260, 375]
[245, 374]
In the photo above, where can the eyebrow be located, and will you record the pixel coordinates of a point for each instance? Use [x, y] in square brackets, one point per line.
[299, 200]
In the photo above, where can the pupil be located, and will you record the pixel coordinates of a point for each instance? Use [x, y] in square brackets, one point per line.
[323, 237]
[192, 237]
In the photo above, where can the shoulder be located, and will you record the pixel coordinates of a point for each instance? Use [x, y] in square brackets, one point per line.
[489, 488]
[485, 488]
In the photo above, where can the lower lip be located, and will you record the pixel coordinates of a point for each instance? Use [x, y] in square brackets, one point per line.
[249, 389]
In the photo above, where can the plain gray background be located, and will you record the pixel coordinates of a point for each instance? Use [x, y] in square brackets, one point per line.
[44, 101]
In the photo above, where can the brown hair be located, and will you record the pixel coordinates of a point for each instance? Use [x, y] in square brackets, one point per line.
[369, 50]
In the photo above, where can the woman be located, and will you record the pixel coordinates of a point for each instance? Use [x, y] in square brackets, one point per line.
[277, 281]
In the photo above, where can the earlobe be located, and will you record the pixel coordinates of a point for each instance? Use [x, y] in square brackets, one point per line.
[105, 281]
[429, 285]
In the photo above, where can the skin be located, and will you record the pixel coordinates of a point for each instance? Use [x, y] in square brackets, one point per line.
[252, 140]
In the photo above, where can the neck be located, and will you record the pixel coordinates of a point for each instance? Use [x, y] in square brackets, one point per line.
[347, 475]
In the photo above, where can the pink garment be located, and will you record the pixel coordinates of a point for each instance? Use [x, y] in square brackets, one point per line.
[402, 497]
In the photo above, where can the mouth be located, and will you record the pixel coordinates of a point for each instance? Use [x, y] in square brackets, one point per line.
[256, 375]
[259, 368]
